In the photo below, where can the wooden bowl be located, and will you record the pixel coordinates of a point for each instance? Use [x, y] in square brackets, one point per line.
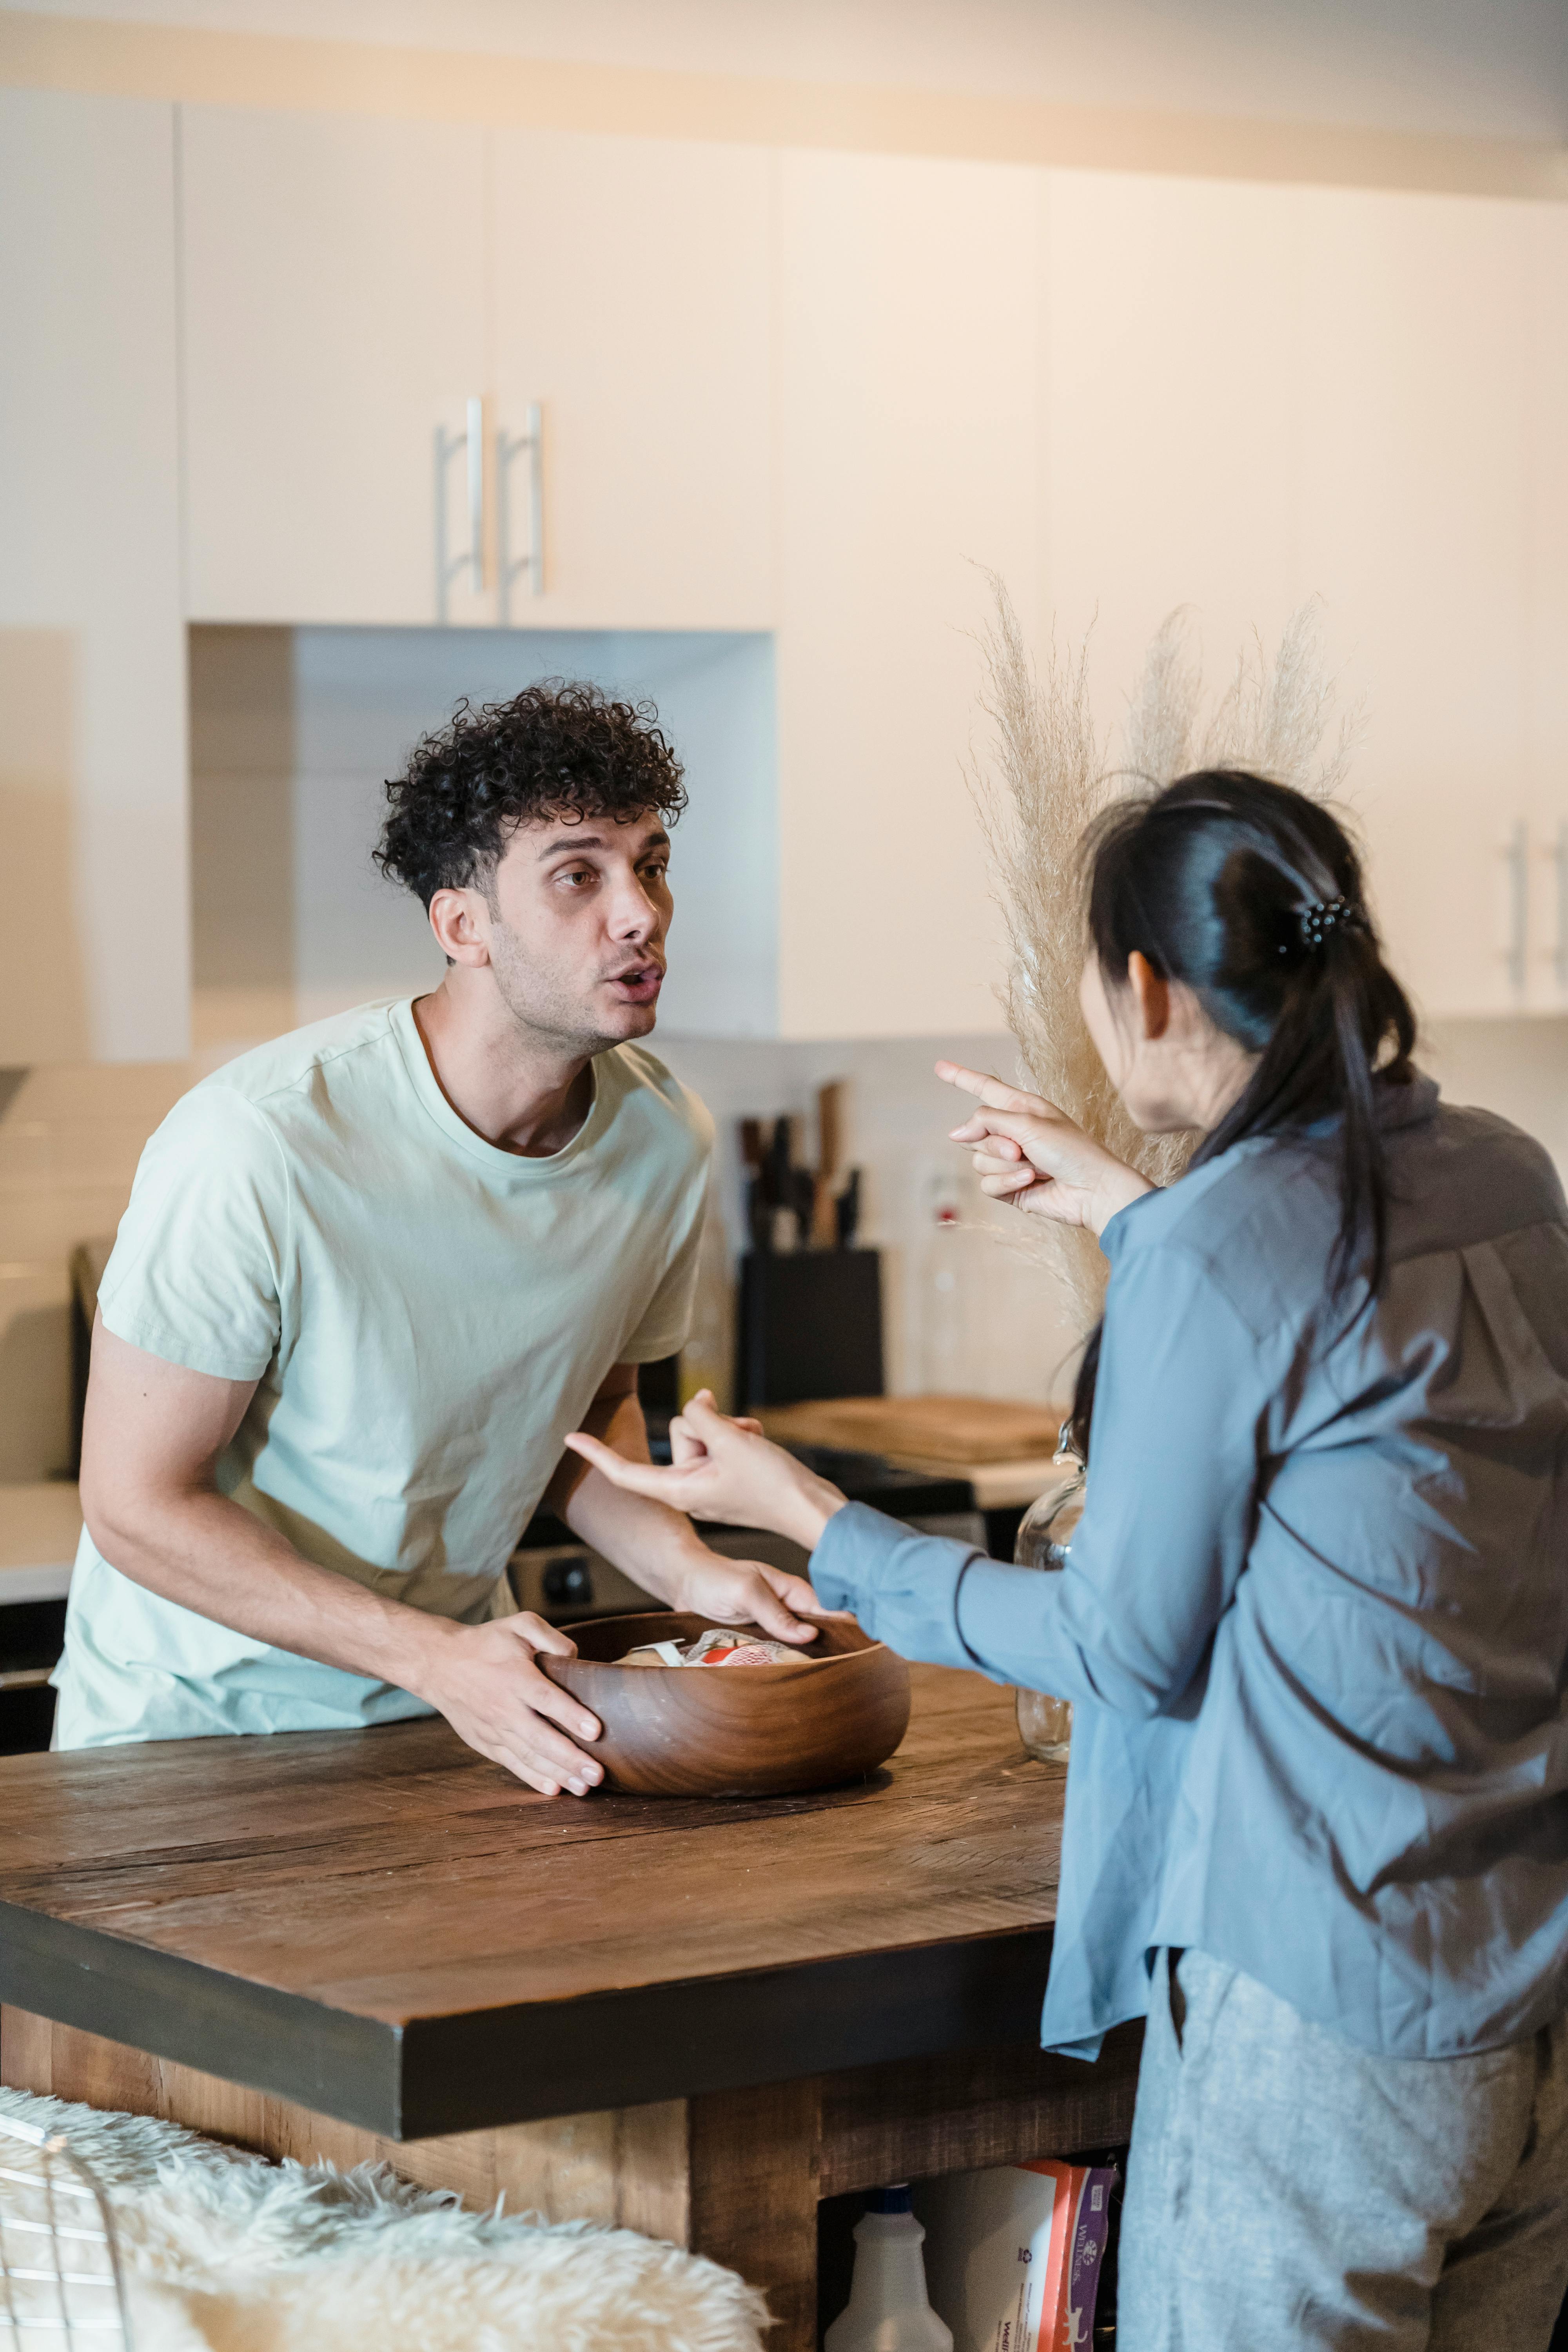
[833, 1714]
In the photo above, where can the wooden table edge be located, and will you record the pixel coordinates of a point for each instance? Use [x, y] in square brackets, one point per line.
[523, 2062]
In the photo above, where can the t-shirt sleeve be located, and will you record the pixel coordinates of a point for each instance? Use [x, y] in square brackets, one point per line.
[197, 1267]
[666, 1320]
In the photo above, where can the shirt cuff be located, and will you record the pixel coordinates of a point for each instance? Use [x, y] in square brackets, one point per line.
[902, 1586]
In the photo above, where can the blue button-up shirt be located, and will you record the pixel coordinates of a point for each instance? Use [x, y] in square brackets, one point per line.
[1314, 1623]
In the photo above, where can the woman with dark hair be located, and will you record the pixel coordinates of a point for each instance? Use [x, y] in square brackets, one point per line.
[1314, 1620]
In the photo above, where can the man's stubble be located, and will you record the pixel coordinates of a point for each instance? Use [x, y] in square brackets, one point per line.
[549, 1018]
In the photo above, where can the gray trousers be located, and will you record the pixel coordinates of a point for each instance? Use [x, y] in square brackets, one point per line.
[1286, 2189]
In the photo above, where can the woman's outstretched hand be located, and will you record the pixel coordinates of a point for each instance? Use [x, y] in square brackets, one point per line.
[723, 1469]
[1028, 1152]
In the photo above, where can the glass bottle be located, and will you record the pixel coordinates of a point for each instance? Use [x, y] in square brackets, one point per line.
[1045, 1540]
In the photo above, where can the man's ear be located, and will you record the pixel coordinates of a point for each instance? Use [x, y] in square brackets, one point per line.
[1151, 994]
[459, 919]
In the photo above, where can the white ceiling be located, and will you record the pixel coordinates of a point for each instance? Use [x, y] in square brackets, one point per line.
[1491, 68]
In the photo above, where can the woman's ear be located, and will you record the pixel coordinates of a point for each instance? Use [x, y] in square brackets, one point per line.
[1151, 994]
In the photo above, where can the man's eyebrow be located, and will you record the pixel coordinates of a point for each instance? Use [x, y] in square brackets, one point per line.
[572, 839]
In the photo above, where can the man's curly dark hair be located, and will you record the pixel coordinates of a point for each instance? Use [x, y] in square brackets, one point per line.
[560, 749]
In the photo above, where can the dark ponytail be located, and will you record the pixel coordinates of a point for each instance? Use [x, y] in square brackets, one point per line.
[1251, 894]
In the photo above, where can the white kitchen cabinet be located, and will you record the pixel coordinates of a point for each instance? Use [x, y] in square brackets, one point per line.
[823, 393]
[629, 297]
[1170, 416]
[1254, 395]
[334, 331]
[905, 432]
[352, 286]
[1418, 374]
[94, 948]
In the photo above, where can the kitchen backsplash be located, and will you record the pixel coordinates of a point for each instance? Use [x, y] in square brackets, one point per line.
[69, 1138]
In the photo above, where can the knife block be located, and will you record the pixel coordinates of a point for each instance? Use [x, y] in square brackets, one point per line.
[810, 1326]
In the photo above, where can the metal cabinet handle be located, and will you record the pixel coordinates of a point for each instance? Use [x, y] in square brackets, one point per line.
[470, 442]
[475, 440]
[1516, 955]
[530, 442]
[536, 497]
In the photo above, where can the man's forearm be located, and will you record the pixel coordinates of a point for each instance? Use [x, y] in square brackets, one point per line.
[209, 1555]
[645, 1541]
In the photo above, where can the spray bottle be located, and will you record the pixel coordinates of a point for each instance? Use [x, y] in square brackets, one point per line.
[888, 2310]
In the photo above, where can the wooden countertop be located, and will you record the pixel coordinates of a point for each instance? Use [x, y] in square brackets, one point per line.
[383, 1927]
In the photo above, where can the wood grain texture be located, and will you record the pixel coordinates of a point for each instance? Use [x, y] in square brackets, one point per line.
[383, 1926]
[964, 2110]
[821, 1720]
[756, 2162]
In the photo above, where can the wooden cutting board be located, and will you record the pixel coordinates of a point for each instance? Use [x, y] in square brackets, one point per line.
[921, 1429]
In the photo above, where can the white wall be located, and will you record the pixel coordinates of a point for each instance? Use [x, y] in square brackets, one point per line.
[1488, 68]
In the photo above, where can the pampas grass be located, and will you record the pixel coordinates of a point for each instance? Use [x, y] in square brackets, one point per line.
[1275, 718]
[1046, 777]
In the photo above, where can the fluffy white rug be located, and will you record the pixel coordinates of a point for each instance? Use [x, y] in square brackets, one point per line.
[226, 2253]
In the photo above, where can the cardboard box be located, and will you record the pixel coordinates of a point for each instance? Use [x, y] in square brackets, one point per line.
[1014, 2254]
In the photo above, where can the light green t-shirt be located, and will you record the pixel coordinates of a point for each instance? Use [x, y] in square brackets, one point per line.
[426, 1317]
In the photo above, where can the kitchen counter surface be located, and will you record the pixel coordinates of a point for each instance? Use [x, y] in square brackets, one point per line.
[395, 1932]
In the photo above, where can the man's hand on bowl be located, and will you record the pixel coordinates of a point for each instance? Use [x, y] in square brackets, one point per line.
[724, 1469]
[485, 1681]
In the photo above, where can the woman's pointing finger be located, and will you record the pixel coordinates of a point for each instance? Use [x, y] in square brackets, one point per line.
[638, 1477]
[993, 1093]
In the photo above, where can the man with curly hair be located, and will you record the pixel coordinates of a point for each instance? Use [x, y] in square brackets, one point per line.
[374, 1274]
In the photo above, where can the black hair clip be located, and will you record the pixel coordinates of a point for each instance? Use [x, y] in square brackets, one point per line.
[1319, 917]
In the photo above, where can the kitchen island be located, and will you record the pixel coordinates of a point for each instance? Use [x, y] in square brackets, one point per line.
[694, 2017]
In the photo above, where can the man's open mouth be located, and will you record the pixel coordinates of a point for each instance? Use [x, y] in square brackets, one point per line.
[639, 985]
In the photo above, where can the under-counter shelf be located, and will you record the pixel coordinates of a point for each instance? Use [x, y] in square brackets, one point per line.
[32, 1634]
